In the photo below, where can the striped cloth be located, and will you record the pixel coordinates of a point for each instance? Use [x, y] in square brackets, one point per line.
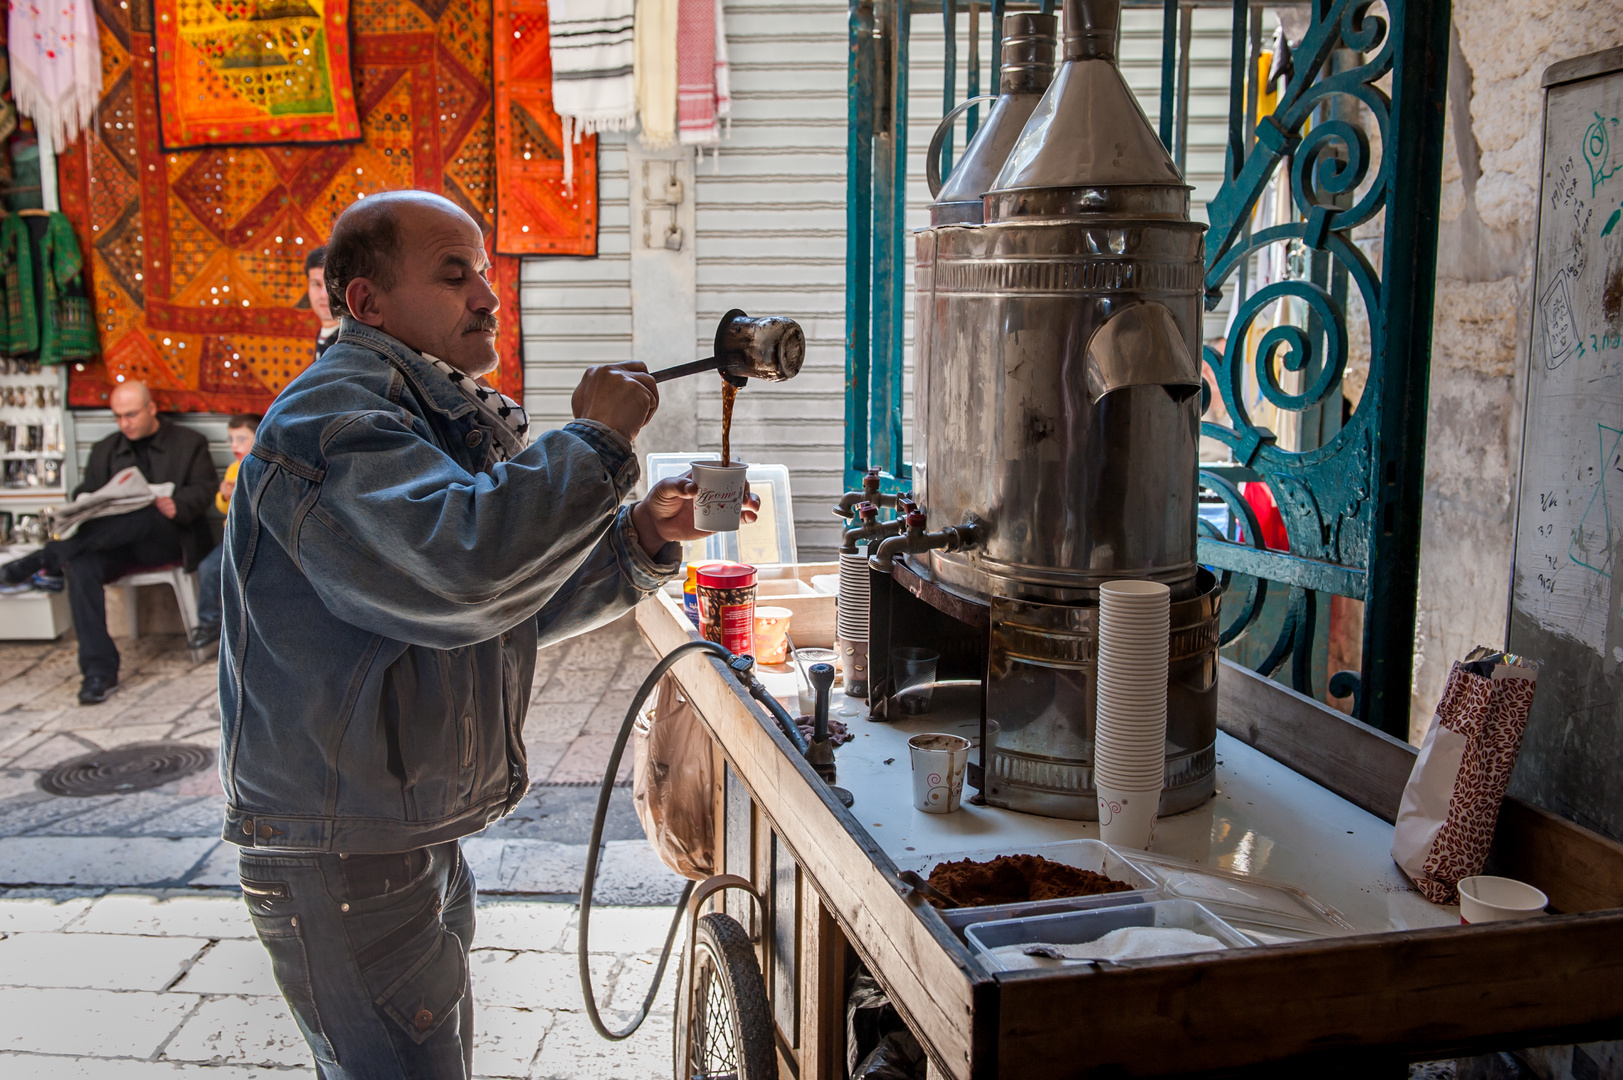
[592, 85]
[702, 91]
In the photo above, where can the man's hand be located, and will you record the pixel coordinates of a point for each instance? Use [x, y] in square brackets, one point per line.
[622, 396]
[666, 513]
[166, 506]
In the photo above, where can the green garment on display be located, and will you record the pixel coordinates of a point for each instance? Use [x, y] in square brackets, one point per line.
[70, 324]
[21, 330]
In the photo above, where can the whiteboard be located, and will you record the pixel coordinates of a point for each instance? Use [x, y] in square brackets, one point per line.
[1565, 595]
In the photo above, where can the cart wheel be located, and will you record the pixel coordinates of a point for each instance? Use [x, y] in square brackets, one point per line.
[724, 1027]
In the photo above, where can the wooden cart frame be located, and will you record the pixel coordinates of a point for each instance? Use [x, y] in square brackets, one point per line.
[1346, 1006]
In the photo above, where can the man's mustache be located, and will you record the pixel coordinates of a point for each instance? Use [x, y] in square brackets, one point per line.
[482, 324]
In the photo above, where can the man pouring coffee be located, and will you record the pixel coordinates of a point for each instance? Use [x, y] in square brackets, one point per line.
[396, 550]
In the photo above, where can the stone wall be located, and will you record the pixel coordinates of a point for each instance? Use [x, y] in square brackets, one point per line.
[1479, 346]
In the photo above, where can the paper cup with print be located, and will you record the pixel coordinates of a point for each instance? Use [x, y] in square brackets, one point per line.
[720, 498]
[1127, 816]
[938, 762]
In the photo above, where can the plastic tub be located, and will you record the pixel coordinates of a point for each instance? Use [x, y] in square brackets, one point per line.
[1091, 855]
[1079, 927]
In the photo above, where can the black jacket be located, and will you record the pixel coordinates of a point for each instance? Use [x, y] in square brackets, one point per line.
[179, 456]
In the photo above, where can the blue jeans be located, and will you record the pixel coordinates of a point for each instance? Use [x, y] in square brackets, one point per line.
[371, 953]
[208, 587]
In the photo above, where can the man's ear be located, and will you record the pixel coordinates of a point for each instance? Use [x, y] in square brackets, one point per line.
[362, 297]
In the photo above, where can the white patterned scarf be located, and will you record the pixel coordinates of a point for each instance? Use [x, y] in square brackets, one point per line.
[55, 65]
[593, 89]
[503, 418]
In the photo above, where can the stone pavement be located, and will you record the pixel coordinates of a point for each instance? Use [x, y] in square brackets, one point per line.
[124, 946]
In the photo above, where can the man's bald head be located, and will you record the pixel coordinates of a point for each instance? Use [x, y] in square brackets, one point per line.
[367, 239]
[412, 264]
[134, 410]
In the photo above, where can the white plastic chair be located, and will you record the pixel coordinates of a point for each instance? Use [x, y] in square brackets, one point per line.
[173, 575]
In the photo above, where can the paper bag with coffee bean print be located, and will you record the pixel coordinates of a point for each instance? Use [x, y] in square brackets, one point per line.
[1451, 803]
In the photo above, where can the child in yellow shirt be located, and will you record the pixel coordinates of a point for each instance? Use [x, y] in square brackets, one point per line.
[240, 431]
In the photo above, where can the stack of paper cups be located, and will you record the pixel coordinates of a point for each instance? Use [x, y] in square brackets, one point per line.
[851, 621]
[1130, 733]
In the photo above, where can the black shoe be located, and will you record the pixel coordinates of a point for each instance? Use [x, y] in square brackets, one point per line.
[96, 689]
[203, 636]
[20, 570]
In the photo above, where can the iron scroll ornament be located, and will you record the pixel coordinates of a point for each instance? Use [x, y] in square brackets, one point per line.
[1337, 182]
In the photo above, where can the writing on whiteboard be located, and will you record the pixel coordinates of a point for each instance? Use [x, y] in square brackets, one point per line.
[1560, 327]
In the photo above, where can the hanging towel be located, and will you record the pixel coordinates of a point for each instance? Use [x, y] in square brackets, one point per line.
[724, 82]
[592, 61]
[55, 64]
[696, 73]
[656, 72]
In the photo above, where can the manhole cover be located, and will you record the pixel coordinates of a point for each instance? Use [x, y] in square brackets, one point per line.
[126, 768]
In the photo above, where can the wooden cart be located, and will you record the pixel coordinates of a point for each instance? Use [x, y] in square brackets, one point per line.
[1306, 797]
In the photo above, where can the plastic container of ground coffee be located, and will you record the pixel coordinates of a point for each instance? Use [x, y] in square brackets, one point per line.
[727, 606]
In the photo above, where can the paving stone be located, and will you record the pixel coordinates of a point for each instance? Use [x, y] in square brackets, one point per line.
[573, 1051]
[543, 758]
[19, 782]
[527, 866]
[119, 711]
[65, 694]
[40, 1067]
[587, 759]
[240, 1030]
[556, 722]
[620, 929]
[609, 713]
[533, 980]
[19, 914]
[505, 1041]
[631, 982]
[35, 809]
[219, 869]
[536, 925]
[115, 815]
[630, 873]
[166, 914]
[105, 1024]
[602, 649]
[231, 967]
[99, 961]
[105, 738]
[190, 816]
[185, 690]
[46, 750]
[574, 685]
[142, 860]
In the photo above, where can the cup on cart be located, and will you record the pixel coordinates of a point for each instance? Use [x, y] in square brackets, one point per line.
[938, 763]
[1484, 898]
[720, 498]
[913, 672]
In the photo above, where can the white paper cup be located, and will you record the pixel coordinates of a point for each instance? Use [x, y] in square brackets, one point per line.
[938, 771]
[1498, 899]
[720, 499]
[1127, 816]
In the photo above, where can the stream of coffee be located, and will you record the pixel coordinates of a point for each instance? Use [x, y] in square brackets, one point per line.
[728, 393]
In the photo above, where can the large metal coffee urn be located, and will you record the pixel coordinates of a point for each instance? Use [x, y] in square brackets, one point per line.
[1057, 425]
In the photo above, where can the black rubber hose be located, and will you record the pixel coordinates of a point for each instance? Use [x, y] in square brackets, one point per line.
[742, 669]
[582, 952]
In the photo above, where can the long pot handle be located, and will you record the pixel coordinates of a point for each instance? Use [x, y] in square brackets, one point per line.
[932, 159]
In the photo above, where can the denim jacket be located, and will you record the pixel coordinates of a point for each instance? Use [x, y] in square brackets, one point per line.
[384, 599]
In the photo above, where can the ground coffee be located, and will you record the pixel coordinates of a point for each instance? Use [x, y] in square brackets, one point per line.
[1014, 879]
